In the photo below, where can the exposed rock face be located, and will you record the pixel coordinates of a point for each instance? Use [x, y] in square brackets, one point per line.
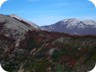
[13, 27]
[26, 22]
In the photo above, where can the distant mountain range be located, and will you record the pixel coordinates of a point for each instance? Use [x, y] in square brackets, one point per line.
[73, 26]
[16, 26]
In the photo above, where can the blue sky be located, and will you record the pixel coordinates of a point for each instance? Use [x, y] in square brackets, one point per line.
[45, 12]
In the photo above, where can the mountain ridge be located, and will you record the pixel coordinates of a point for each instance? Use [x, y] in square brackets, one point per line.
[73, 26]
[14, 27]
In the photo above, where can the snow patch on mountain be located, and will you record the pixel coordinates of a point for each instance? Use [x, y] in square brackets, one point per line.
[73, 26]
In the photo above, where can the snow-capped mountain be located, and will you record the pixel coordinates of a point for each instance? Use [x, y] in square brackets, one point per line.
[73, 26]
[14, 26]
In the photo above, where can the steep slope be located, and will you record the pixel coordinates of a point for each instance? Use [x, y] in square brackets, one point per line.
[28, 23]
[73, 26]
[14, 28]
[43, 51]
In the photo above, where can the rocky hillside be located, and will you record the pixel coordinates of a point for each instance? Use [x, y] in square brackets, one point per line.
[73, 26]
[13, 27]
[26, 22]
[43, 51]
